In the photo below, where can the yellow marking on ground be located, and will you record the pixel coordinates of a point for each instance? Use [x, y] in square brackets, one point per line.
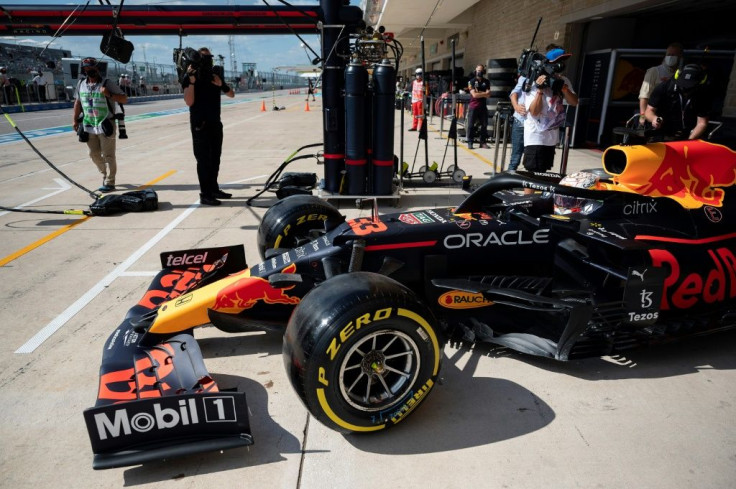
[59, 232]
[465, 147]
[41, 241]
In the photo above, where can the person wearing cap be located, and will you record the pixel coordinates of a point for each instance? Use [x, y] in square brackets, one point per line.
[94, 109]
[546, 114]
[658, 74]
[480, 89]
[679, 107]
[417, 100]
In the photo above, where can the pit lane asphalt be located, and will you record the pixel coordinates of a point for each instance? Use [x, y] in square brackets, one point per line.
[656, 418]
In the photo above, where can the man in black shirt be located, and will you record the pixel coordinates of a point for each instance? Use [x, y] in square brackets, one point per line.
[679, 107]
[202, 90]
[480, 89]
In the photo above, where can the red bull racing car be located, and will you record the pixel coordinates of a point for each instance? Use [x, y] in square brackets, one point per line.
[644, 252]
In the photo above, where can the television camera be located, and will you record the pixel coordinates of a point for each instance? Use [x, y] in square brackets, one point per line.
[533, 64]
[186, 57]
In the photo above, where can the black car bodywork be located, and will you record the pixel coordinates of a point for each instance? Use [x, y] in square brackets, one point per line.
[368, 303]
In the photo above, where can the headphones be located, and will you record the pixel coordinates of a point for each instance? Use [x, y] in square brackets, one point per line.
[703, 74]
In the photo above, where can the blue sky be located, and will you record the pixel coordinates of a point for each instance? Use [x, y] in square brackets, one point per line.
[267, 52]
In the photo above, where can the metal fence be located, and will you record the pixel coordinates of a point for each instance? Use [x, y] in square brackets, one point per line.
[144, 79]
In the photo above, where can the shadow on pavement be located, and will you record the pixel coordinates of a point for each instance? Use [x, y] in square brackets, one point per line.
[271, 441]
[687, 356]
[464, 412]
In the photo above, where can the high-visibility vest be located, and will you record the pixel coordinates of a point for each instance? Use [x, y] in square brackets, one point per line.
[417, 91]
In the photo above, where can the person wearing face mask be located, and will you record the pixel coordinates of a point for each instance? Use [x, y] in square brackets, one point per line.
[679, 107]
[94, 112]
[480, 89]
[202, 89]
[417, 100]
[658, 74]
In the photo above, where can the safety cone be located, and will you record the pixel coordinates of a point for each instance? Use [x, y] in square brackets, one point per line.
[306, 107]
[263, 106]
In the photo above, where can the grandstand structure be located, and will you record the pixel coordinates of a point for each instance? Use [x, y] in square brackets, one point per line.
[24, 62]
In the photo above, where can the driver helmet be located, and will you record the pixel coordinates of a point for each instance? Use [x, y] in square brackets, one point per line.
[418, 72]
[567, 204]
[89, 62]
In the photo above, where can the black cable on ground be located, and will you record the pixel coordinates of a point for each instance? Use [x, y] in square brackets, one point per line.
[273, 179]
[12, 123]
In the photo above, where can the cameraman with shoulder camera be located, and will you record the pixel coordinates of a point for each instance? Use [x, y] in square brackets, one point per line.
[545, 110]
[202, 87]
[94, 119]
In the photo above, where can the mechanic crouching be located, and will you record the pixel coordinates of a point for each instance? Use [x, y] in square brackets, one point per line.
[202, 90]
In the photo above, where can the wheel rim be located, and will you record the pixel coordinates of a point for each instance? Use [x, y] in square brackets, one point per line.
[300, 239]
[379, 370]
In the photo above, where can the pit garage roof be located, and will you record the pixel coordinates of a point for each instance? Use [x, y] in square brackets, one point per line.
[40, 20]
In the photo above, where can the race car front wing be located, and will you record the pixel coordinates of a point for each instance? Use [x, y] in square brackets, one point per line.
[141, 431]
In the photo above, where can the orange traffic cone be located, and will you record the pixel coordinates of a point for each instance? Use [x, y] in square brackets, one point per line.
[263, 106]
[306, 107]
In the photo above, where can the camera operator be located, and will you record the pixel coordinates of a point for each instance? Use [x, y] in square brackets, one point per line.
[94, 119]
[202, 88]
[479, 88]
[679, 107]
[545, 111]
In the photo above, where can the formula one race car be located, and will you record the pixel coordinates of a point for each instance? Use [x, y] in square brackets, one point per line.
[644, 252]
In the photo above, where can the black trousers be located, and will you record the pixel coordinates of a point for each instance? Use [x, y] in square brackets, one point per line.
[207, 143]
[477, 114]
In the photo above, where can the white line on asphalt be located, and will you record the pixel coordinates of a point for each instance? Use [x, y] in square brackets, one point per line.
[80, 303]
[63, 187]
[65, 316]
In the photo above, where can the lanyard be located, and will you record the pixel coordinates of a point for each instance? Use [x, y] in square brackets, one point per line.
[683, 108]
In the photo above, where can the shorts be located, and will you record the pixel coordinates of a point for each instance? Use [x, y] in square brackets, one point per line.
[539, 158]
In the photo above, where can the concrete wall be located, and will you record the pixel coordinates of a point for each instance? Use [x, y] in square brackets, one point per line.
[502, 28]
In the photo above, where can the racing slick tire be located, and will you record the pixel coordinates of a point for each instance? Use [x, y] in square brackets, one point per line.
[290, 222]
[362, 352]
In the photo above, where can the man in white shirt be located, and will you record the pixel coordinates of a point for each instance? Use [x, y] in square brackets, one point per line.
[545, 115]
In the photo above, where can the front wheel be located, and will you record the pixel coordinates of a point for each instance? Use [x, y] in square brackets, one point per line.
[362, 352]
[294, 221]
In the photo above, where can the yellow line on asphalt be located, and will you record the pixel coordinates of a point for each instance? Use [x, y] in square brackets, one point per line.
[59, 232]
[481, 158]
[41, 241]
[155, 181]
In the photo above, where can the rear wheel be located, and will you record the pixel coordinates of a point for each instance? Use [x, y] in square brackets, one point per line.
[294, 221]
[362, 352]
